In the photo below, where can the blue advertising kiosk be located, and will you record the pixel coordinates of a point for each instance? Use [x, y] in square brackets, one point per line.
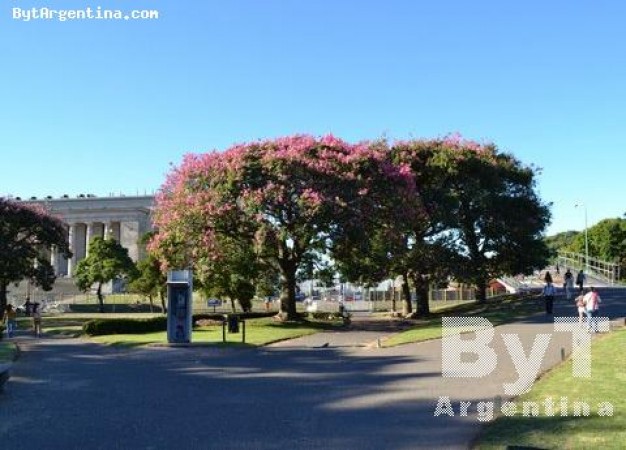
[179, 306]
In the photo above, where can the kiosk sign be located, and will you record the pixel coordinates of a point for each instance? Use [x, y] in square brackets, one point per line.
[179, 306]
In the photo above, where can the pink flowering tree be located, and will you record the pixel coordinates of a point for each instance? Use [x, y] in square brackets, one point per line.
[290, 199]
[26, 233]
[412, 245]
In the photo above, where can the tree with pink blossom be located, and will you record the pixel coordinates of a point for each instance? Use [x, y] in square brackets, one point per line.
[288, 199]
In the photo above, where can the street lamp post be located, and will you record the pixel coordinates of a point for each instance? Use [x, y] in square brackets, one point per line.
[586, 238]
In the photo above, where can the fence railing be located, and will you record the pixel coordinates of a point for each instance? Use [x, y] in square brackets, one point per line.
[369, 301]
[603, 270]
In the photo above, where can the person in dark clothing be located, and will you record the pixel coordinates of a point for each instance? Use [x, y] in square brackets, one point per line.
[580, 280]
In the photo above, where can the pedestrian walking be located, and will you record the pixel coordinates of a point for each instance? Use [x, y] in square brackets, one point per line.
[548, 296]
[568, 283]
[36, 315]
[548, 277]
[9, 319]
[592, 305]
[580, 307]
[580, 280]
[28, 307]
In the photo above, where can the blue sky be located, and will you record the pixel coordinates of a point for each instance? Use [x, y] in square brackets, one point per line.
[107, 106]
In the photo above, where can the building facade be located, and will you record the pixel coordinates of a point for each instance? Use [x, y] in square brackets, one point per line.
[125, 219]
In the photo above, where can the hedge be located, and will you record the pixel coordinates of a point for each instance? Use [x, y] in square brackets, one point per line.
[97, 327]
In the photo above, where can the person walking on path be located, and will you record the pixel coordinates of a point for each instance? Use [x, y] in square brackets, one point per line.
[580, 306]
[9, 319]
[548, 295]
[592, 305]
[36, 315]
[580, 280]
[568, 283]
[28, 307]
[548, 277]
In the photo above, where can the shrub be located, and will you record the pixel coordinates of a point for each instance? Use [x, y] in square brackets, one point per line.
[322, 315]
[99, 327]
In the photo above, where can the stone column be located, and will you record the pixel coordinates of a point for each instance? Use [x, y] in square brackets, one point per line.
[71, 263]
[129, 238]
[108, 230]
[89, 235]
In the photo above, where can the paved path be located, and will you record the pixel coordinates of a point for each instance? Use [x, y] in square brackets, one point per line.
[71, 394]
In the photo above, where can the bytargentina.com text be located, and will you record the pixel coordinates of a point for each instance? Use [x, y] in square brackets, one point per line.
[88, 13]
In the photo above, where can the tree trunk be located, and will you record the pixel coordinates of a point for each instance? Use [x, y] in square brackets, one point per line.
[163, 305]
[481, 291]
[151, 303]
[421, 293]
[232, 305]
[100, 298]
[406, 293]
[3, 300]
[287, 309]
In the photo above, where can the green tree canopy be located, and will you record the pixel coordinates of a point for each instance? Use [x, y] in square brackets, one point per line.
[107, 260]
[150, 281]
[498, 218]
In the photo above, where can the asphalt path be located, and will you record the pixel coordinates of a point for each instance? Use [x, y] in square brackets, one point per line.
[73, 394]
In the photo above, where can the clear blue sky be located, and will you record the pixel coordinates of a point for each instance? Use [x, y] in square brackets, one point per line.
[101, 106]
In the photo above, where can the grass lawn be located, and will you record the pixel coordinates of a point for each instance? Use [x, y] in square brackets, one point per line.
[497, 310]
[607, 384]
[258, 332]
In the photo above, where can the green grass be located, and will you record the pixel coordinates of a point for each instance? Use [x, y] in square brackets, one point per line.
[497, 310]
[607, 384]
[8, 351]
[258, 332]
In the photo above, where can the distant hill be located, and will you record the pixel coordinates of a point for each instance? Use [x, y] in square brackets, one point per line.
[562, 241]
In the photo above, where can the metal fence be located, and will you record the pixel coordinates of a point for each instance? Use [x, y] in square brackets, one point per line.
[374, 301]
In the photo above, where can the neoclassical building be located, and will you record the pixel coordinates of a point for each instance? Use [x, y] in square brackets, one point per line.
[125, 219]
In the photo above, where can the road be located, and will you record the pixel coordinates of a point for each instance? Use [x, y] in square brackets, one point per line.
[72, 394]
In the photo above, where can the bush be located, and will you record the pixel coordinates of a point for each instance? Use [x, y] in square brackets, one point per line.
[112, 308]
[321, 315]
[98, 327]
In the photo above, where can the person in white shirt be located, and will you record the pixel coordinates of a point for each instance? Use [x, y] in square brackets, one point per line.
[548, 295]
[592, 305]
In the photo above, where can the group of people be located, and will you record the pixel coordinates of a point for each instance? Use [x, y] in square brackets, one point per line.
[31, 309]
[587, 302]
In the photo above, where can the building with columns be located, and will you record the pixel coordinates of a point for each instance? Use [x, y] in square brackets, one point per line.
[125, 219]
